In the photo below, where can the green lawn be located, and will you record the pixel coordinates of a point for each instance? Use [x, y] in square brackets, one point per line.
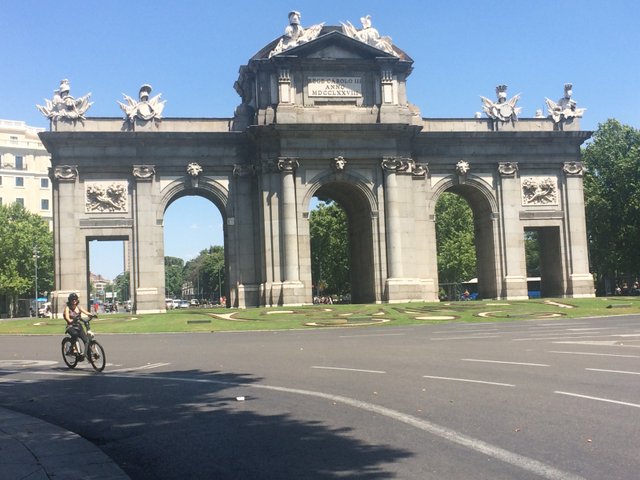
[345, 316]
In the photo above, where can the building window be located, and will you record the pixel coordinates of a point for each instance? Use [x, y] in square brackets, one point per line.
[44, 183]
[19, 181]
[0, 181]
[20, 201]
[19, 163]
[0, 200]
[44, 204]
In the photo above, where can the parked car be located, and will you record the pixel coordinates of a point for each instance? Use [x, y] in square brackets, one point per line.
[194, 302]
[176, 303]
[183, 304]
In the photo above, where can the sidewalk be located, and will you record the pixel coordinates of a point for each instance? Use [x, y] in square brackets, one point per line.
[34, 449]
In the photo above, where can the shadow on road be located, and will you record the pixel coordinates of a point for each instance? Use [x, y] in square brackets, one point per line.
[190, 424]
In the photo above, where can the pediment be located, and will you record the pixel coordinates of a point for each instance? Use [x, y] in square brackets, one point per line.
[333, 44]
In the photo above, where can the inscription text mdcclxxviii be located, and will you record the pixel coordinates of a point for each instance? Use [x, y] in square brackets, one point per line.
[335, 87]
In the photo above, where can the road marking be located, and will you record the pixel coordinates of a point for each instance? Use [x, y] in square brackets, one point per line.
[468, 380]
[143, 367]
[525, 463]
[559, 339]
[607, 400]
[587, 329]
[473, 337]
[507, 363]
[26, 363]
[612, 371]
[602, 343]
[348, 369]
[374, 335]
[597, 354]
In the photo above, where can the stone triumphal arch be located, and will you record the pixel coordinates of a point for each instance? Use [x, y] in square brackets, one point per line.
[324, 112]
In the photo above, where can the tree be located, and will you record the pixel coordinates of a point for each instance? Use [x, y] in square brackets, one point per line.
[173, 276]
[455, 239]
[121, 286]
[329, 248]
[532, 252]
[612, 200]
[25, 240]
[206, 273]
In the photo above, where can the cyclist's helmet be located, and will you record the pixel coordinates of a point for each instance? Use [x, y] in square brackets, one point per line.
[72, 297]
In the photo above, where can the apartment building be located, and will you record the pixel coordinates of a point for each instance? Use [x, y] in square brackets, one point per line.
[24, 166]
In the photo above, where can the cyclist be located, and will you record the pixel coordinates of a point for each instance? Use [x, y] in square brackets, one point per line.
[72, 315]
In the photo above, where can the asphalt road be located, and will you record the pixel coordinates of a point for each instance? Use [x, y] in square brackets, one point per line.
[556, 399]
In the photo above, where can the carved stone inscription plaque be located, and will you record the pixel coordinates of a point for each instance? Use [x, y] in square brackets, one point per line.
[106, 197]
[350, 87]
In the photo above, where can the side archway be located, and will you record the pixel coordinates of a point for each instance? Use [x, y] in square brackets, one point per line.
[483, 204]
[212, 192]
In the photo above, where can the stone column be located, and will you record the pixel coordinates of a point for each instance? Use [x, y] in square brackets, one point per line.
[147, 254]
[514, 265]
[390, 166]
[70, 249]
[242, 239]
[580, 282]
[287, 167]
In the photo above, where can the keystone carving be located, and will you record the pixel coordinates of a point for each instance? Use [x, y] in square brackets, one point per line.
[338, 164]
[462, 167]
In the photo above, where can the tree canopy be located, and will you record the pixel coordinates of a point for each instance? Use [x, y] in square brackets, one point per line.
[22, 235]
[329, 249]
[612, 199]
[455, 239]
[173, 276]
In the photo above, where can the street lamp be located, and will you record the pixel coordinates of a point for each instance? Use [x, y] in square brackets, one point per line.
[35, 258]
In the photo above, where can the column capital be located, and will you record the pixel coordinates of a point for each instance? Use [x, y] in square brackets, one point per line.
[144, 172]
[66, 173]
[572, 169]
[288, 164]
[396, 164]
[240, 170]
[508, 169]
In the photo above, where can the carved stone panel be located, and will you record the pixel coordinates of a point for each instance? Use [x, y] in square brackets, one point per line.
[539, 191]
[106, 197]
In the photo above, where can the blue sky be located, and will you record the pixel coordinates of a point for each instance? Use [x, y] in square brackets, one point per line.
[190, 51]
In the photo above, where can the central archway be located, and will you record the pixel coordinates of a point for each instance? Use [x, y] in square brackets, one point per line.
[357, 205]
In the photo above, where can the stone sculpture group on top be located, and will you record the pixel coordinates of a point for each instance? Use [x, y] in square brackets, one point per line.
[64, 107]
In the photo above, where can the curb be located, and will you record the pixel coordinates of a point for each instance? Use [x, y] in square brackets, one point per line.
[35, 449]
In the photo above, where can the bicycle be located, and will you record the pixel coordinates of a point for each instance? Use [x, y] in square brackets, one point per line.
[72, 353]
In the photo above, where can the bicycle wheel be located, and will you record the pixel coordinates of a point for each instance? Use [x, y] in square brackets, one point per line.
[68, 356]
[96, 356]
